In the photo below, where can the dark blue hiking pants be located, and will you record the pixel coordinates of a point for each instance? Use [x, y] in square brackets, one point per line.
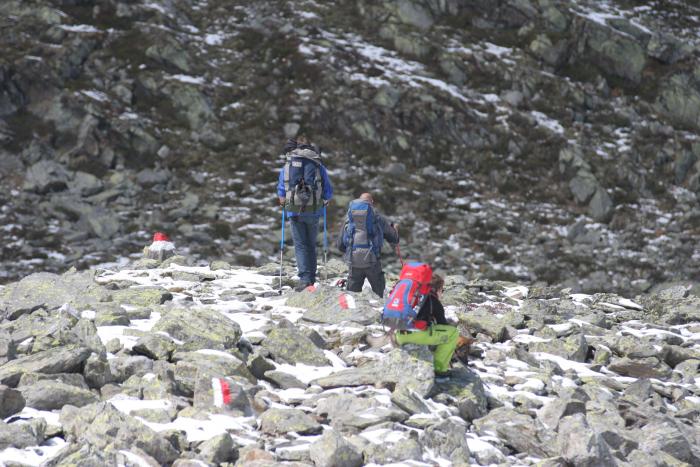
[304, 233]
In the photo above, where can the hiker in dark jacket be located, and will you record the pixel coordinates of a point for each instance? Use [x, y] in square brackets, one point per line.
[438, 333]
[361, 242]
[304, 219]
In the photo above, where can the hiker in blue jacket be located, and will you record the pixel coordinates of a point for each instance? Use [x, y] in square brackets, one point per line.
[361, 242]
[304, 189]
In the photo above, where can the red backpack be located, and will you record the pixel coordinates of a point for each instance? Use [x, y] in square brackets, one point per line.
[407, 296]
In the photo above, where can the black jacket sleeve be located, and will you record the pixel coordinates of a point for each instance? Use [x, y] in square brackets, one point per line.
[432, 311]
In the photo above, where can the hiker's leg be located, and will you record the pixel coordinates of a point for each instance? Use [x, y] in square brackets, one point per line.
[375, 275]
[312, 223]
[441, 335]
[445, 337]
[414, 337]
[356, 279]
[302, 248]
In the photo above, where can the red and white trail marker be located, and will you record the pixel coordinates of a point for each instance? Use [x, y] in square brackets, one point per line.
[161, 248]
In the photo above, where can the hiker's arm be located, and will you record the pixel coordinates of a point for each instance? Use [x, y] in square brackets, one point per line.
[391, 235]
[281, 192]
[327, 187]
[339, 240]
[439, 312]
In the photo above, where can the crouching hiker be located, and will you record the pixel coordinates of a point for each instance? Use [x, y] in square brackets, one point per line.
[415, 315]
[361, 242]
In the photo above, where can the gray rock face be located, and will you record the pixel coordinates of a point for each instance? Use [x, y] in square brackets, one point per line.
[189, 365]
[679, 98]
[8, 347]
[332, 450]
[53, 395]
[11, 402]
[345, 411]
[448, 439]
[46, 176]
[22, 434]
[104, 428]
[649, 367]
[331, 305]
[50, 291]
[580, 445]
[218, 450]
[551, 413]
[200, 329]
[291, 346]
[518, 431]
[142, 296]
[398, 369]
[227, 395]
[60, 360]
[282, 421]
[665, 436]
[155, 346]
[123, 367]
[465, 390]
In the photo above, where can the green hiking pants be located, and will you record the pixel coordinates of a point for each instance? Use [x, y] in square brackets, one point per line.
[443, 336]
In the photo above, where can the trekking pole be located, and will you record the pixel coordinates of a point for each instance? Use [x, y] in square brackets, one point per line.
[284, 216]
[325, 242]
[398, 253]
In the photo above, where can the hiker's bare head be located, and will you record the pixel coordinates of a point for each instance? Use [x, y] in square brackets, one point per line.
[437, 283]
[302, 139]
[367, 197]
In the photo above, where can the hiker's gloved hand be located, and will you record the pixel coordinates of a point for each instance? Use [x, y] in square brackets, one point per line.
[281, 200]
[326, 202]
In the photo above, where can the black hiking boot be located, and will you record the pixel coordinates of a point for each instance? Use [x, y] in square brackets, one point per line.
[443, 375]
[301, 286]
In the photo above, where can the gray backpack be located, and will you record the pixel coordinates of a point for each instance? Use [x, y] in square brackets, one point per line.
[303, 183]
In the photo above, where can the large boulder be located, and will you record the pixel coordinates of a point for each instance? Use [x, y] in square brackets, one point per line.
[200, 328]
[288, 345]
[465, 390]
[229, 395]
[50, 291]
[104, 428]
[517, 431]
[46, 176]
[283, 421]
[59, 360]
[22, 434]
[666, 436]
[53, 395]
[331, 305]
[616, 53]
[482, 320]
[399, 369]
[580, 445]
[190, 365]
[143, 296]
[11, 402]
[218, 450]
[332, 450]
[347, 411]
[447, 439]
[679, 99]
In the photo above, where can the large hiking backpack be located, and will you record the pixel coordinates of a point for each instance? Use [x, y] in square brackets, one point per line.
[362, 235]
[303, 183]
[407, 296]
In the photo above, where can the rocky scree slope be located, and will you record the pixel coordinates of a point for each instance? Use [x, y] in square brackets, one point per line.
[166, 364]
[550, 141]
